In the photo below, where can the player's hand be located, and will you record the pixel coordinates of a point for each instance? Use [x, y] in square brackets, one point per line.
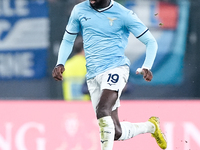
[57, 72]
[147, 74]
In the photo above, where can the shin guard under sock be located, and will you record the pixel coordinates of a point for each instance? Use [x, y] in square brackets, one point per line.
[107, 132]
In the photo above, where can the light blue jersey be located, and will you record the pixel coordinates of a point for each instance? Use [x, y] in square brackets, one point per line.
[105, 34]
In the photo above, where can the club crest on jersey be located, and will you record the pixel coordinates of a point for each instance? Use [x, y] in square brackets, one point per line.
[111, 20]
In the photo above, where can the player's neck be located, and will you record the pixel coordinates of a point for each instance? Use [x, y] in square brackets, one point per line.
[105, 4]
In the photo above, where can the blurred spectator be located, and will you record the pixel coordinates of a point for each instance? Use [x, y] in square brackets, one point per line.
[74, 74]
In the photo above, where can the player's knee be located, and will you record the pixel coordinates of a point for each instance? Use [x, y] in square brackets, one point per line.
[102, 112]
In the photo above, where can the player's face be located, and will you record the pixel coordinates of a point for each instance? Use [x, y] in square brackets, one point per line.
[99, 3]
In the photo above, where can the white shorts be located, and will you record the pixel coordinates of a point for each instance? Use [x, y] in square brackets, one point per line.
[113, 79]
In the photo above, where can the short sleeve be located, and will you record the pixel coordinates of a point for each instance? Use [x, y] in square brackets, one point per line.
[134, 24]
[73, 25]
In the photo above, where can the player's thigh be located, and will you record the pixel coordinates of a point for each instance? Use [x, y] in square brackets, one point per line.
[107, 101]
[115, 80]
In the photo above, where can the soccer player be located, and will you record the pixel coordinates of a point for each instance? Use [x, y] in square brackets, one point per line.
[105, 26]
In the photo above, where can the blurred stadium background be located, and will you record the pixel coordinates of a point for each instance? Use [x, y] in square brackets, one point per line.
[33, 115]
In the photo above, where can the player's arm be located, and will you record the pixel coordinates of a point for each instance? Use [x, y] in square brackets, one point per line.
[64, 52]
[140, 31]
[66, 45]
[151, 50]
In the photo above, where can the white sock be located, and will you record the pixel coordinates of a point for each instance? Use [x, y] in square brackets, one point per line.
[130, 130]
[107, 132]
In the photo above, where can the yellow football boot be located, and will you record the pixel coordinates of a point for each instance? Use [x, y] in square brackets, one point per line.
[158, 135]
